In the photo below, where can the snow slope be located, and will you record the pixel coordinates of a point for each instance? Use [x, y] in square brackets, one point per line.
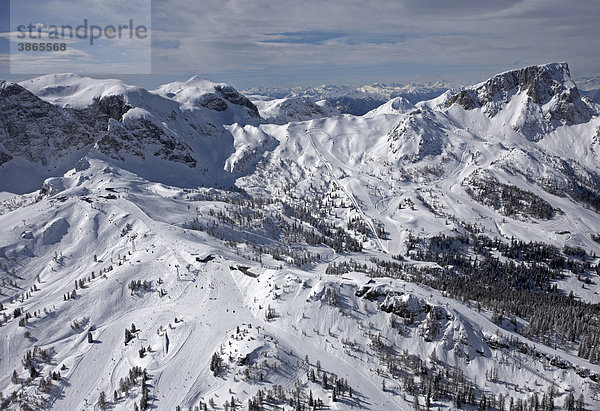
[192, 309]
[286, 110]
[397, 105]
[265, 270]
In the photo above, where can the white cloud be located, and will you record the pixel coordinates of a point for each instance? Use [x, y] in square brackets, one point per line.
[212, 36]
[341, 40]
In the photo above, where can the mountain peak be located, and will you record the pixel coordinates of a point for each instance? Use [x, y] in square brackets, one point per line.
[9, 88]
[397, 105]
[547, 94]
[198, 91]
[541, 83]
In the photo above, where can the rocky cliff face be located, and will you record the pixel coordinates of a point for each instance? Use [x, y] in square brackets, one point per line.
[549, 98]
[233, 96]
[38, 131]
[142, 138]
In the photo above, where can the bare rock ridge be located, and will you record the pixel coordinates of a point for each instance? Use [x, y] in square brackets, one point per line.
[113, 106]
[36, 130]
[548, 90]
[233, 96]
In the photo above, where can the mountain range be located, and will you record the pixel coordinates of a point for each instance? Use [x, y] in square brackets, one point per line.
[193, 247]
[355, 100]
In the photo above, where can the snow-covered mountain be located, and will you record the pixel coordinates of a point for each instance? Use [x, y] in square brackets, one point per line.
[287, 110]
[180, 250]
[174, 134]
[538, 99]
[37, 138]
[397, 105]
[356, 100]
[588, 83]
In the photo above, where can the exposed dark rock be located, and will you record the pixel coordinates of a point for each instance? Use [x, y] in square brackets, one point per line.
[552, 96]
[213, 102]
[140, 135]
[37, 130]
[233, 96]
[113, 106]
[4, 158]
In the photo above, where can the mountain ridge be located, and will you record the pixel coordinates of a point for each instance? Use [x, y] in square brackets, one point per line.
[548, 90]
[192, 254]
[126, 122]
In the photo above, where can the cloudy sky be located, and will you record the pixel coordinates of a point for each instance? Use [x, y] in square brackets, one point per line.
[308, 42]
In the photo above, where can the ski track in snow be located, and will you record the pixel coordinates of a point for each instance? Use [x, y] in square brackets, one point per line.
[320, 152]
